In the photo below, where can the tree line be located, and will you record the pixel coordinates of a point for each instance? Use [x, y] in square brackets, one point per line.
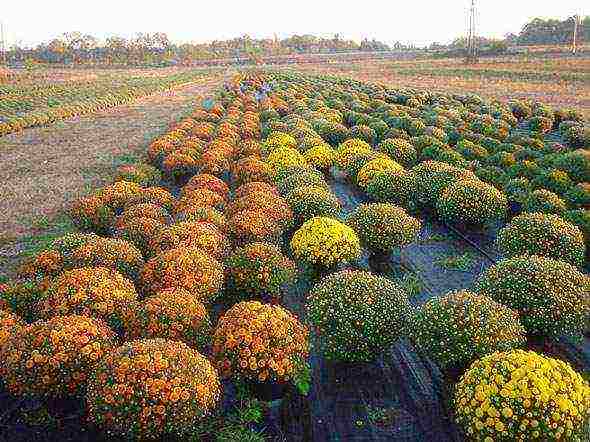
[157, 48]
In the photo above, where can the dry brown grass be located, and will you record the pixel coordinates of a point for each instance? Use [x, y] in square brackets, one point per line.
[560, 93]
[44, 169]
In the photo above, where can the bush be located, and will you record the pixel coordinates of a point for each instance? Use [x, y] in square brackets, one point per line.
[139, 232]
[556, 181]
[209, 182]
[10, 323]
[364, 133]
[259, 269]
[277, 140]
[98, 292]
[347, 150]
[455, 329]
[275, 207]
[496, 398]
[383, 227]
[471, 151]
[152, 195]
[172, 314]
[250, 169]
[518, 189]
[143, 210]
[184, 267]
[357, 315]
[357, 161]
[541, 125]
[576, 164]
[52, 359]
[309, 201]
[109, 252]
[90, 214]
[396, 187]
[207, 215]
[254, 225]
[325, 242]
[400, 151]
[199, 198]
[116, 195]
[551, 296]
[255, 186]
[282, 158]
[432, 178]
[334, 133]
[321, 156]
[544, 235]
[204, 236]
[260, 342]
[473, 203]
[370, 169]
[443, 155]
[149, 388]
[577, 137]
[492, 175]
[143, 174]
[579, 196]
[544, 201]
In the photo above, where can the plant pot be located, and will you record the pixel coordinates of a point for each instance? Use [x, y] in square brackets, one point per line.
[267, 391]
[515, 208]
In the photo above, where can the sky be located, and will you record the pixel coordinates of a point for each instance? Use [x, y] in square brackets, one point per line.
[414, 21]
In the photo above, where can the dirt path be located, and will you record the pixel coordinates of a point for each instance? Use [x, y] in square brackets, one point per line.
[43, 169]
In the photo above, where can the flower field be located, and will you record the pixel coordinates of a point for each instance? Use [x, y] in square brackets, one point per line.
[315, 258]
[29, 104]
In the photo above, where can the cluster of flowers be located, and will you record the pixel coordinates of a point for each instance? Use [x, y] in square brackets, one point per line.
[522, 395]
[260, 342]
[456, 329]
[172, 251]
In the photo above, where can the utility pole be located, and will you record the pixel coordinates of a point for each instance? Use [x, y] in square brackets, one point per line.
[472, 37]
[2, 44]
[576, 21]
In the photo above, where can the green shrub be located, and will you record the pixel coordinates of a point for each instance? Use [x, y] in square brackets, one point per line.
[393, 186]
[577, 137]
[540, 124]
[357, 315]
[492, 175]
[552, 297]
[581, 219]
[399, 150]
[364, 133]
[576, 164]
[443, 155]
[303, 179]
[544, 201]
[544, 235]
[472, 202]
[517, 189]
[471, 151]
[309, 201]
[258, 269]
[579, 196]
[455, 329]
[556, 181]
[383, 227]
[432, 177]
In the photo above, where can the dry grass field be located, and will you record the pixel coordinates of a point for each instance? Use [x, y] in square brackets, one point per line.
[561, 82]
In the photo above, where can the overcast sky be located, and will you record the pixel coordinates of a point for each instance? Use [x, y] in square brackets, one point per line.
[418, 21]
